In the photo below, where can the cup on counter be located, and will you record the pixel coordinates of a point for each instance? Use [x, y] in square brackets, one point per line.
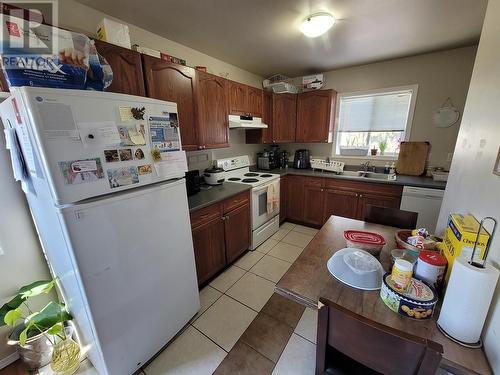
[401, 274]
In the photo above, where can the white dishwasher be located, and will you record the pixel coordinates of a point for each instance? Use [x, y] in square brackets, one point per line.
[425, 201]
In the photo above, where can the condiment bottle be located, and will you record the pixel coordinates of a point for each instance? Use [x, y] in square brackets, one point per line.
[401, 274]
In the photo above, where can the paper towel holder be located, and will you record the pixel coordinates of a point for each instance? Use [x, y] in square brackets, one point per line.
[487, 249]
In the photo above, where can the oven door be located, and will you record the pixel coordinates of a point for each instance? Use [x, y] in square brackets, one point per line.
[259, 205]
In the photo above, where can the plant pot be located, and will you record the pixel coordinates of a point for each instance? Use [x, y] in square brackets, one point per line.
[65, 357]
[37, 351]
[374, 151]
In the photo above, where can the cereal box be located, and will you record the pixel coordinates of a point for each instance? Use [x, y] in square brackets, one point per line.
[459, 239]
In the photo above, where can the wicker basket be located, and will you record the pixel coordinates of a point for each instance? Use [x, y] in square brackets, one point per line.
[402, 238]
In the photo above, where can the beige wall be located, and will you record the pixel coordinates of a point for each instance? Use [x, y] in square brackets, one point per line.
[472, 187]
[439, 75]
[79, 17]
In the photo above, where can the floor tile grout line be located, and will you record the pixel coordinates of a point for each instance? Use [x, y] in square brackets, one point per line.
[210, 339]
[305, 338]
[232, 265]
[251, 308]
[209, 306]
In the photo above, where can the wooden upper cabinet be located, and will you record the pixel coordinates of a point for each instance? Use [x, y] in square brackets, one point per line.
[244, 100]
[127, 68]
[284, 117]
[213, 112]
[263, 136]
[315, 116]
[254, 101]
[174, 83]
[238, 98]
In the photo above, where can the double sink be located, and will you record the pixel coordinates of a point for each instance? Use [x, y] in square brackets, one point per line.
[368, 175]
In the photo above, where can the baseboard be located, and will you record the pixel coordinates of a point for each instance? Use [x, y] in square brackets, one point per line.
[4, 362]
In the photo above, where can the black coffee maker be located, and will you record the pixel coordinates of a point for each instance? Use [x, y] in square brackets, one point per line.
[301, 159]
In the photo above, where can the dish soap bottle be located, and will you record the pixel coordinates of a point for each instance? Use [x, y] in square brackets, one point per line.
[386, 168]
[392, 168]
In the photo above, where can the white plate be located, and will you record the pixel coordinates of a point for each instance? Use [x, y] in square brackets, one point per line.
[356, 268]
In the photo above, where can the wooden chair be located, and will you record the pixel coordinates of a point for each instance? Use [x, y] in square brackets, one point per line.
[348, 343]
[391, 216]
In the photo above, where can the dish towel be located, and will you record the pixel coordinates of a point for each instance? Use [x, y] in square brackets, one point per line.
[273, 197]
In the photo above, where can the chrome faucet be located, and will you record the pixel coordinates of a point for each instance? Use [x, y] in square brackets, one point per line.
[365, 166]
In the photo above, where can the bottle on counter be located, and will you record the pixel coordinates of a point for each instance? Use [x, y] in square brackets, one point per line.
[387, 168]
[392, 168]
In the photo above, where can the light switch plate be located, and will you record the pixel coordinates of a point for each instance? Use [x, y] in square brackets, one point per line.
[496, 169]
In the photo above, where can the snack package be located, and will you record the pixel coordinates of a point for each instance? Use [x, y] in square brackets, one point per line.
[417, 241]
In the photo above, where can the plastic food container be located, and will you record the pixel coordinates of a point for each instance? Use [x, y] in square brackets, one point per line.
[368, 241]
[431, 267]
[418, 302]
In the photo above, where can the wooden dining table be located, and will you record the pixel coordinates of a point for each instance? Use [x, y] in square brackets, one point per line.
[308, 279]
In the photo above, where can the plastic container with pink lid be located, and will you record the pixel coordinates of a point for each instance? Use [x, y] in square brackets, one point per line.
[368, 241]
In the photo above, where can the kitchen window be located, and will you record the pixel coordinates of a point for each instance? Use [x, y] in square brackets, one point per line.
[374, 119]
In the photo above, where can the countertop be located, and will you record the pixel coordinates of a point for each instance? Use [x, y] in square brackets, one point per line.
[215, 194]
[416, 181]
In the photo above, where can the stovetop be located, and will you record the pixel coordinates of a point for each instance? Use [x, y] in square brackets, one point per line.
[237, 170]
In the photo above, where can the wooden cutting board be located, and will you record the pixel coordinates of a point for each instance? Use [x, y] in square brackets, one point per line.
[412, 158]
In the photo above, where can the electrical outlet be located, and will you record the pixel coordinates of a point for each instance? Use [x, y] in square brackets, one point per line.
[450, 156]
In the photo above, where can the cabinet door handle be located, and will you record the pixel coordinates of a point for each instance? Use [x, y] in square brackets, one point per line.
[200, 147]
[322, 189]
[357, 195]
[223, 218]
[361, 195]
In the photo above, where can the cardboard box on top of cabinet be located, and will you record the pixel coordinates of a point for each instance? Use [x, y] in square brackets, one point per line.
[114, 32]
[459, 239]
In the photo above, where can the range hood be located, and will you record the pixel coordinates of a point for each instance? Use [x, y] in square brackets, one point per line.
[246, 122]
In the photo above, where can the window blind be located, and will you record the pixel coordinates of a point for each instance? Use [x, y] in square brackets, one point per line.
[384, 112]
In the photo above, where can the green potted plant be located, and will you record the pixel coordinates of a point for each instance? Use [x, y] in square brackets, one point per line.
[382, 146]
[41, 337]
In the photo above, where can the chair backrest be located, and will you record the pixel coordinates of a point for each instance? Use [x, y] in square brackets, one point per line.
[374, 345]
[391, 216]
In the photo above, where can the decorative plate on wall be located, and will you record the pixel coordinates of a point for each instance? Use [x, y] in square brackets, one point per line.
[446, 116]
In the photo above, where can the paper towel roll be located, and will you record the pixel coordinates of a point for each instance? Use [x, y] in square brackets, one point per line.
[467, 300]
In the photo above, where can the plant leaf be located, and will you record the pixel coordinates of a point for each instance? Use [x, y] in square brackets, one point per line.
[36, 288]
[50, 315]
[14, 303]
[12, 316]
[55, 329]
[23, 336]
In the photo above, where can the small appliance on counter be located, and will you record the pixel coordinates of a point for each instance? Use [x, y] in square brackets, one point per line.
[193, 182]
[214, 175]
[284, 159]
[269, 159]
[301, 159]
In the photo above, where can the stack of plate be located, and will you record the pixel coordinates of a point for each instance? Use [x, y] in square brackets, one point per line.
[356, 268]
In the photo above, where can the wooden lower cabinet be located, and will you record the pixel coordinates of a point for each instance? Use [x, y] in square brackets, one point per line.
[295, 198]
[340, 203]
[221, 233]
[312, 200]
[209, 253]
[237, 232]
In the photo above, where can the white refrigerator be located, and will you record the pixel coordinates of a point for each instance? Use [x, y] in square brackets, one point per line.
[103, 176]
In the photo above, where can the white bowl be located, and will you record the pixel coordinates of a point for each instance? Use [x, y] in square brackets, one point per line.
[356, 268]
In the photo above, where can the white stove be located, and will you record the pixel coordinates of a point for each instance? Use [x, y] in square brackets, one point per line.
[237, 170]
[265, 220]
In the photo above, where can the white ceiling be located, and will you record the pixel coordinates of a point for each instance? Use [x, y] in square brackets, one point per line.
[262, 36]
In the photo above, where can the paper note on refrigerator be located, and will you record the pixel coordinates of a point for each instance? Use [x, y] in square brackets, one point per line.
[102, 134]
[172, 164]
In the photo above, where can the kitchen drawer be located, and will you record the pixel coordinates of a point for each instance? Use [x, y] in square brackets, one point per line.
[314, 182]
[236, 201]
[206, 214]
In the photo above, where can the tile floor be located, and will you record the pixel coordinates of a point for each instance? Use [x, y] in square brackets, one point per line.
[242, 326]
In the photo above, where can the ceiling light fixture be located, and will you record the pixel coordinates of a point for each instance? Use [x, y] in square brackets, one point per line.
[317, 24]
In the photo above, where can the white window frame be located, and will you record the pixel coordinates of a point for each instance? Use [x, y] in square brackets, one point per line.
[409, 121]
